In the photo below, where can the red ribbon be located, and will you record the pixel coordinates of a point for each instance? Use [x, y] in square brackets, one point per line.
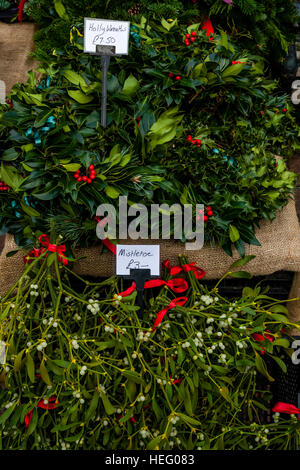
[177, 285]
[35, 253]
[110, 245]
[209, 28]
[259, 337]
[106, 241]
[199, 273]
[28, 418]
[287, 408]
[174, 303]
[59, 249]
[53, 402]
[175, 381]
[21, 7]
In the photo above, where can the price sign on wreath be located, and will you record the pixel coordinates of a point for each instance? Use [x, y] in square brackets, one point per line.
[98, 32]
[105, 38]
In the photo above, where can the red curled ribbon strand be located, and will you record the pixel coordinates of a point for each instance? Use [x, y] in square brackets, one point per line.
[259, 337]
[110, 245]
[177, 285]
[21, 8]
[34, 253]
[174, 303]
[287, 408]
[59, 249]
[106, 241]
[209, 29]
[28, 418]
[199, 273]
[53, 402]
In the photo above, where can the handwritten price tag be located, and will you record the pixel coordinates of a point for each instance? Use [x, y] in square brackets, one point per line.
[137, 257]
[105, 33]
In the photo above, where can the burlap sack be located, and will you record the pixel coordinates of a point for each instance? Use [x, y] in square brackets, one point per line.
[16, 43]
[280, 250]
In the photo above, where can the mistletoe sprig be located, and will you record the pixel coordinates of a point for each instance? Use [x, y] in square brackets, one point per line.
[83, 370]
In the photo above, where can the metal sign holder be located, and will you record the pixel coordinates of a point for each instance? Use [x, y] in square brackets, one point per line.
[105, 52]
[139, 276]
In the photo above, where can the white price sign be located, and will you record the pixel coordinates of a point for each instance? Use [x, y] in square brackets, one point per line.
[99, 32]
[137, 257]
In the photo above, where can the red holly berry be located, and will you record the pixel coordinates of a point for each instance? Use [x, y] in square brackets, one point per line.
[93, 176]
[76, 176]
[91, 167]
[188, 36]
[209, 213]
[84, 178]
[194, 33]
[89, 180]
[193, 142]
[9, 102]
[193, 39]
[205, 218]
[189, 137]
[198, 141]
[171, 75]
[208, 208]
[261, 112]
[284, 110]
[186, 42]
[178, 77]
[79, 179]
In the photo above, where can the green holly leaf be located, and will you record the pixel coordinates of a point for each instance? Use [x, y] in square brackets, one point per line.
[80, 97]
[233, 233]
[131, 86]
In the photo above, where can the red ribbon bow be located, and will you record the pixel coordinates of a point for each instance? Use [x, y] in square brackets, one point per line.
[174, 303]
[287, 408]
[59, 249]
[177, 285]
[53, 402]
[199, 273]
